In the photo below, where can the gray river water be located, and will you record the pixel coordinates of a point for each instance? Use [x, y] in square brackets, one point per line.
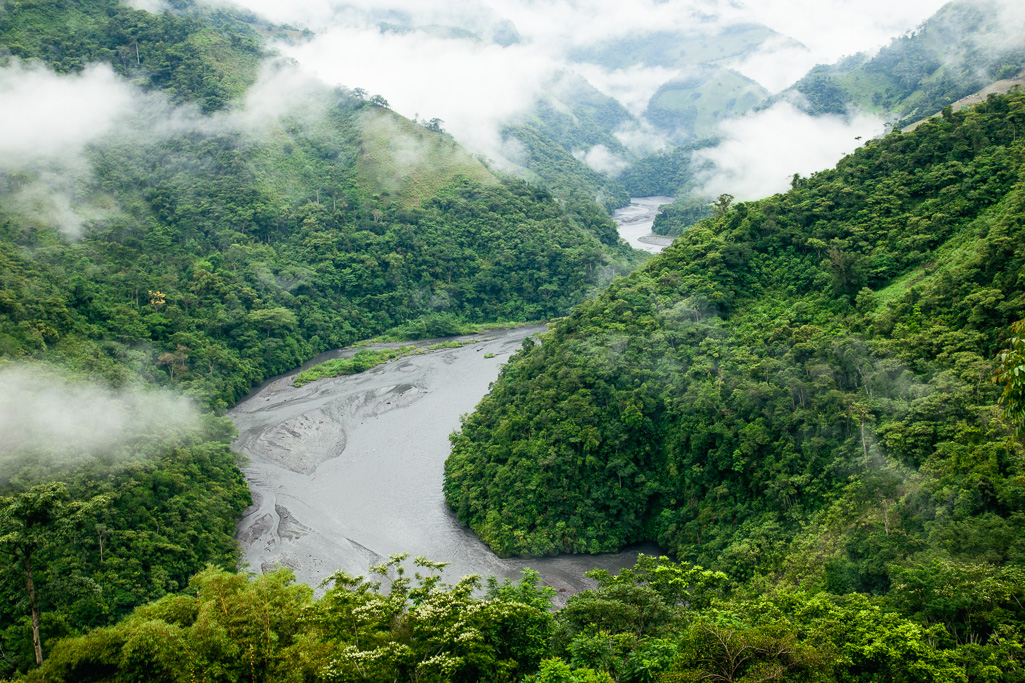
[347, 471]
[635, 223]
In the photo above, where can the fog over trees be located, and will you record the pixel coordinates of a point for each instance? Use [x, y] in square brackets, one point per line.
[811, 401]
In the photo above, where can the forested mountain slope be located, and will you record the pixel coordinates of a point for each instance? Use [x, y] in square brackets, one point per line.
[800, 388]
[962, 48]
[215, 243]
[563, 127]
[198, 55]
[253, 234]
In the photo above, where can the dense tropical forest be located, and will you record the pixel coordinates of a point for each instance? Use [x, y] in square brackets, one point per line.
[795, 400]
[224, 254]
[798, 392]
[656, 621]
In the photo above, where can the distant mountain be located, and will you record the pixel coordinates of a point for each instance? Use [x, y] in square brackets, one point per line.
[574, 139]
[678, 49]
[962, 48]
[955, 55]
[568, 123]
[692, 107]
[702, 90]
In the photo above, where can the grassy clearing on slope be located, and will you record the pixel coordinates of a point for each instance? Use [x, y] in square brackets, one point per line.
[946, 257]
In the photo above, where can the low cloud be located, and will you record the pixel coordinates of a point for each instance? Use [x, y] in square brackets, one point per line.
[154, 6]
[49, 420]
[477, 86]
[778, 64]
[761, 152]
[555, 24]
[641, 138]
[281, 89]
[830, 29]
[474, 87]
[633, 86]
[47, 123]
[999, 21]
[47, 117]
[601, 159]
[1009, 17]
[50, 121]
[56, 200]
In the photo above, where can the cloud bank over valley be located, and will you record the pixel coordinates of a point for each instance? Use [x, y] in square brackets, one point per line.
[480, 69]
[486, 64]
[761, 152]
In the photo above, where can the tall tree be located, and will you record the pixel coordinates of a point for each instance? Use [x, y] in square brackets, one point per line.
[29, 523]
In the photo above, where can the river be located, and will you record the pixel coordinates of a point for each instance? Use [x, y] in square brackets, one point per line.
[347, 471]
[635, 223]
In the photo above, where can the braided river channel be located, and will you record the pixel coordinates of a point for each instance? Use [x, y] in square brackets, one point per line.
[347, 471]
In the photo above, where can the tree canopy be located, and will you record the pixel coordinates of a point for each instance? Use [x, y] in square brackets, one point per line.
[798, 387]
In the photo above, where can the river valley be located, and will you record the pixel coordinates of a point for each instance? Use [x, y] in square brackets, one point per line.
[635, 223]
[347, 471]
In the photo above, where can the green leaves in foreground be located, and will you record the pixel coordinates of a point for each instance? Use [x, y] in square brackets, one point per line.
[231, 628]
[657, 621]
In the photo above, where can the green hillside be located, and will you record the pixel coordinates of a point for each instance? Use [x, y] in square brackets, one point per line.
[199, 55]
[798, 389]
[338, 198]
[956, 53]
[410, 163]
[569, 120]
[796, 393]
[216, 252]
[553, 166]
[693, 107]
[589, 104]
[577, 117]
[706, 92]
